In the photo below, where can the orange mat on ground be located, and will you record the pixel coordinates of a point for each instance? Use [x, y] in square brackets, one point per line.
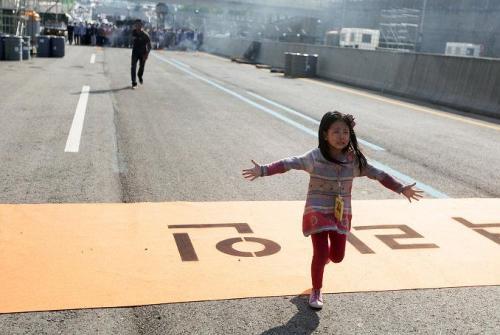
[65, 256]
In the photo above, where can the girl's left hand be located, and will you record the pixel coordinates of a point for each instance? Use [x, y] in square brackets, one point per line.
[411, 193]
[253, 173]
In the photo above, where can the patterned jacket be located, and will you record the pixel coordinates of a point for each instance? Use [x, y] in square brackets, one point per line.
[327, 180]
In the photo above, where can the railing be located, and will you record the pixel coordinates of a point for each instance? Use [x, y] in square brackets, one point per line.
[11, 17]
[8, 4]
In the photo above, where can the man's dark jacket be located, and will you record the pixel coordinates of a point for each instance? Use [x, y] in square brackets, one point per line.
[141, 42]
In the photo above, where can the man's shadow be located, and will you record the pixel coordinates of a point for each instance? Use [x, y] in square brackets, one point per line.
[305, 321]
[129, 87]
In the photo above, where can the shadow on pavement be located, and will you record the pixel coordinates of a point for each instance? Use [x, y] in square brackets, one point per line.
[111, 90]
[305, 321]
[106, 91]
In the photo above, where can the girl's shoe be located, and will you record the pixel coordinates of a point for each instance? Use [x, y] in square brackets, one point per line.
[316, 299]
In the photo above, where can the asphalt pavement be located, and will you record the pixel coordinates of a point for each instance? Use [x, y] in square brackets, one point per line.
[186, 134]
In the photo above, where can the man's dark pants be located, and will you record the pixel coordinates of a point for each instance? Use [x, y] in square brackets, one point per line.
[142, 61]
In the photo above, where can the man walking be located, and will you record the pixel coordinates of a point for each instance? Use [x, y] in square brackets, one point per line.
[141, 45]
[71, 30]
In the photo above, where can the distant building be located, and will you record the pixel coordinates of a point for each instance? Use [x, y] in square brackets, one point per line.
[464, 49]
[423, 25]
[408, 25]
[359, 38]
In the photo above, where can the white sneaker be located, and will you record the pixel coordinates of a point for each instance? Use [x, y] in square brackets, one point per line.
[316, 299]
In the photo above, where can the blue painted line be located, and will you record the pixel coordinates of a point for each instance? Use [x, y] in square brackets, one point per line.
[404, 178]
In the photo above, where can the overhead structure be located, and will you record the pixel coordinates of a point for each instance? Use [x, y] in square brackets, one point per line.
[399, 28]
[14, 16]
[161, 14]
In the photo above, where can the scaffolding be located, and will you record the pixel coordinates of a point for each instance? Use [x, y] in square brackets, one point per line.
[14, 16]
[400, 28]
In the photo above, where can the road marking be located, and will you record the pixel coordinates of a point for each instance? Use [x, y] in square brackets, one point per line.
[310, 119]
[429, 189]
[92, 59]
[73, 141]
[225, 59]
[239, 96]
[408, 180]
[180, 63]
[406, 105]
[115, 255]
[289, 110]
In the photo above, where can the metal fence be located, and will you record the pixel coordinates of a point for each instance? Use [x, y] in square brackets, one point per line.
[14, 15]
[11, 21]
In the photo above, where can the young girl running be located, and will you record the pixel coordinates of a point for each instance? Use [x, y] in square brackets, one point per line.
[332, 167]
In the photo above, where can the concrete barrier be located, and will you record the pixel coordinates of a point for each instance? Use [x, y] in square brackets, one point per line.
[468, 84]
[226, 47]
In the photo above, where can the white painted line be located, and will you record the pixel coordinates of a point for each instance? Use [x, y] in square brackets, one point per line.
[370, 145]
[180, 63]
[289, 110]
[239, 96]
[428, 189]
[73, 141]
[92, 59]
[408, 180]
[310, 119]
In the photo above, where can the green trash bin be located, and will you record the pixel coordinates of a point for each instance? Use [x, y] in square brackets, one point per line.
[311, 65]
[288, 63]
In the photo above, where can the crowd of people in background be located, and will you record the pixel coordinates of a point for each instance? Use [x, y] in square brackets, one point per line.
[112, 35]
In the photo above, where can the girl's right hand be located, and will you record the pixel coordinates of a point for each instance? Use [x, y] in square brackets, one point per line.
[253, 173]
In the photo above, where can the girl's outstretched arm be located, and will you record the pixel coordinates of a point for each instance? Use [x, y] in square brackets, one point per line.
[388, 181]
[304, 162]
[411, 193]
[254, 172]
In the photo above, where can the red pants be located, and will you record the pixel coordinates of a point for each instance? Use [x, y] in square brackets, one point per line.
[321, 253]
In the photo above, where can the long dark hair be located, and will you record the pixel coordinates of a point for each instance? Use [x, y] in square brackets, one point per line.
[326, 121]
